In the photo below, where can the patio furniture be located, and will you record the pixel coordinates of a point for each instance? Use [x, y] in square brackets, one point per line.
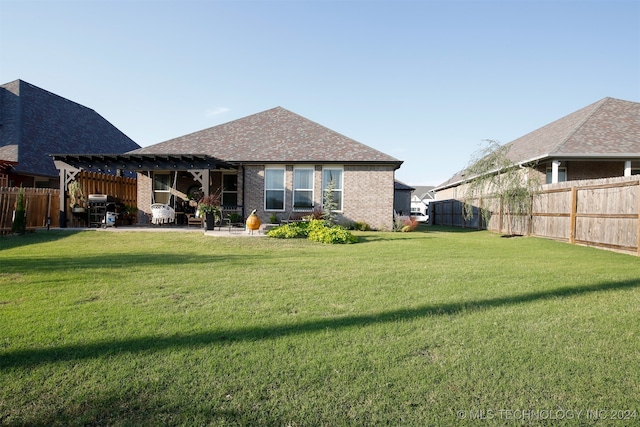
[194, 219]
[162, 214]
[232, 217]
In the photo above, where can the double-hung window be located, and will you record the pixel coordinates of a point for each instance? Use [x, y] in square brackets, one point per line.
[229, 189]
[161, 187]
[562, 175]
[303, 188]
[274, 189]
[333, 176]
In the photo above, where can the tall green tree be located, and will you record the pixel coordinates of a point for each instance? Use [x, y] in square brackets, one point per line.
[19, 225]
[492, 173]
[329, 204]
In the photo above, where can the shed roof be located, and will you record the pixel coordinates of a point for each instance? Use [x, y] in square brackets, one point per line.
[271, 136]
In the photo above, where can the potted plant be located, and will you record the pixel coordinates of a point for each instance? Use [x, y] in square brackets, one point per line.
[130, 214]
[77, 202]
[209, 208]
[235, 218]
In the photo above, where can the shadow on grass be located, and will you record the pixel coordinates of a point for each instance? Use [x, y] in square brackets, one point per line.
[34, 357]
[127, 407]
[111, 261]
[388, 236]
[449, 229]
[11, 241]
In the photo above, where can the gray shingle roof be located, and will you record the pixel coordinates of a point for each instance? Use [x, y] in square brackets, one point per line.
[609, 128]
[423, 191]
[275, 135]
[399, 185]
[36, 123]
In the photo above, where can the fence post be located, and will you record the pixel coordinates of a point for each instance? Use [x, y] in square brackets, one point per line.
[572, 215]
[638, 218]
[530, 216]
[501, 214]
[452, 216]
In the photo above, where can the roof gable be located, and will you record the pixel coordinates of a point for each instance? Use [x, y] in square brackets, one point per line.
[423, 191]
[275, 135]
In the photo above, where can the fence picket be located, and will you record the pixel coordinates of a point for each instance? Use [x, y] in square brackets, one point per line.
[601, 212]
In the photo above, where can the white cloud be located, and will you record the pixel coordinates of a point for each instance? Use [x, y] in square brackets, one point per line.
[215, 111]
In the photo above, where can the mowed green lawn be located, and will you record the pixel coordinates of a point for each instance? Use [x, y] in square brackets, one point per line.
[434, 327]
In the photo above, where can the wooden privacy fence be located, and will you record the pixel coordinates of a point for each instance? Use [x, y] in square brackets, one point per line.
[603, 213]
[43, 204]
[42, 207]
[122, 188]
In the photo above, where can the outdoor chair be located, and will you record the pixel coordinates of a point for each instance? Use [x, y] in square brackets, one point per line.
[162, 214]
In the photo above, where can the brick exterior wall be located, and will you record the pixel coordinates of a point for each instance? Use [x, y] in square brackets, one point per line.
[577, 170]
[145, 192]
[368, 193]
[254, 192]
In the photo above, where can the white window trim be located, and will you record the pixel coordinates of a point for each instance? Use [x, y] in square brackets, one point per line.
[560, 169]
[341, 190]
[293, 192]
[284, 188]
[164, 192]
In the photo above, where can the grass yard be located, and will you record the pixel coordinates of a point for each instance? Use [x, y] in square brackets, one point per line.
[435, 327]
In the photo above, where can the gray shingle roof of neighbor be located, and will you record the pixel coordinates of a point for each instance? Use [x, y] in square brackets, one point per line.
[272, 136]
[36, 123]
[423, 191]
[609, 128]
[399, 185]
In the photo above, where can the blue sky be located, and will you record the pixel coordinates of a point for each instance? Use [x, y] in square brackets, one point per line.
[423, 81]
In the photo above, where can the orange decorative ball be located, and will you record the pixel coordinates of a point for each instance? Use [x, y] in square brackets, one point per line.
[253, 222]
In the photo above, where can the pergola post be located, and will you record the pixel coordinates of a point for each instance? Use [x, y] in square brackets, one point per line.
[202, 177]
[67, 174]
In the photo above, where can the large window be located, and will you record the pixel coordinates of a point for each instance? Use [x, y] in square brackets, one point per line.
[562, 175]
[229, 190]
[303, 189]
[333, 175]
[161, 187]
[274, 189]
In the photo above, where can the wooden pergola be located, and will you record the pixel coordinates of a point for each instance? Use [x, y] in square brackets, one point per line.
[198, 165]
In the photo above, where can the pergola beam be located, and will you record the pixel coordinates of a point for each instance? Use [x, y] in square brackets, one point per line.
[143, 162]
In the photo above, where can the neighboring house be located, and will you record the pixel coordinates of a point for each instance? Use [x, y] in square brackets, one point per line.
[276, 162]
[5, 168]
[601, 140]
[420, 198]
[402, 198]
[35, 123]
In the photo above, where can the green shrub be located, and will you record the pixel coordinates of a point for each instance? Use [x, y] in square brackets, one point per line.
[289, 231]
[320, 232]
[314, 230]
